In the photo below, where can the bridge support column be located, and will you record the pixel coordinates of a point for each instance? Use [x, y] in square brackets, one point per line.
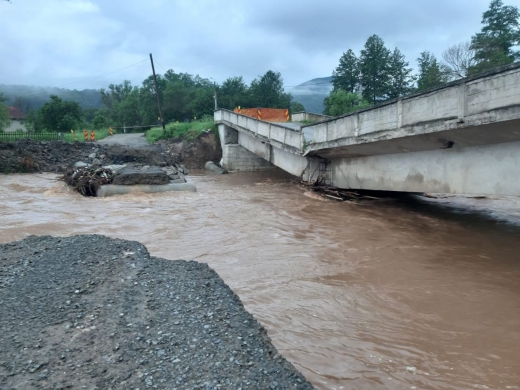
[237, 158]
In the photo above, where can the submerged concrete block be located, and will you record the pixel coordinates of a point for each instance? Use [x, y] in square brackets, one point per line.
[111, 189]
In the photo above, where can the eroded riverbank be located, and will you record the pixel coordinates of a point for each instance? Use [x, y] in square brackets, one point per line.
[371, 296]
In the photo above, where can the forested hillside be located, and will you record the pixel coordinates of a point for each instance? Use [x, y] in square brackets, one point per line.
[312, 93]
[28, 97]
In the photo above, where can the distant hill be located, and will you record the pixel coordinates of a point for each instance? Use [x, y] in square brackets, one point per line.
[35, 97]
[311, 93]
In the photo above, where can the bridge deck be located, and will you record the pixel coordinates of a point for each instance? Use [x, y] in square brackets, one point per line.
[481, 110]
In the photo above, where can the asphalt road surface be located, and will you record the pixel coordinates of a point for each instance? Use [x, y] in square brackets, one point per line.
[130, 139]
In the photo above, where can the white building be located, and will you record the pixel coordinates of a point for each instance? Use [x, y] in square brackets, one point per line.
[17, 120]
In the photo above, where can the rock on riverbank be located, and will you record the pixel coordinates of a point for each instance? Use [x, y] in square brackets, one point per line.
[102, 313]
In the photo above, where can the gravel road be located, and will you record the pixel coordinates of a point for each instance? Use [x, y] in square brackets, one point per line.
[99, 313]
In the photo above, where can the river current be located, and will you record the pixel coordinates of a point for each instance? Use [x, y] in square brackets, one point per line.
[390, 294]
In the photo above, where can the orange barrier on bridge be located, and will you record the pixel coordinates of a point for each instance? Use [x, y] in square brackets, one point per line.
[266, 114]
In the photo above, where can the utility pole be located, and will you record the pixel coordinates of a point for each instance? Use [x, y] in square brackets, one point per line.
[215, 94]
[157, 94]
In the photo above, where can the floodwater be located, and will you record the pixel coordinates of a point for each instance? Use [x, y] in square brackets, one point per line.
[391, 294]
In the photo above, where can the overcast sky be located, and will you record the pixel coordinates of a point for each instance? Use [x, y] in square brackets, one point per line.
[70, 43]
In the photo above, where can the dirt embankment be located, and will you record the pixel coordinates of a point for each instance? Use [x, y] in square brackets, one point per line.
[194, 154]
[90, 311]
[57, 156]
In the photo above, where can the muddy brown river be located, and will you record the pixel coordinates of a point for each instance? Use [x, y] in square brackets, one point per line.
[391, 294]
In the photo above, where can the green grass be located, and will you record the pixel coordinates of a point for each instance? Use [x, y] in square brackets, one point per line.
[181, 130]
[100, 134]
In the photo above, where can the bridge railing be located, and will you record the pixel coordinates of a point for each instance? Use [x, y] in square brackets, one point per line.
[478, 100]
[280, 136]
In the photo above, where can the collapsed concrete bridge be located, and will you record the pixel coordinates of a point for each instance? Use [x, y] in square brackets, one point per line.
[460, 138]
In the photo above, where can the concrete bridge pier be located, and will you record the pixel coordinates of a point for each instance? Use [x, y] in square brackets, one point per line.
[235, 157]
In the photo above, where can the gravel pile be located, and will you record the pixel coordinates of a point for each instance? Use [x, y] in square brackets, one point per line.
[99, 313]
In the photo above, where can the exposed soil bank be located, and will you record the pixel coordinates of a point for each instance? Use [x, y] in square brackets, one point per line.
[195, 153]
[101, 313]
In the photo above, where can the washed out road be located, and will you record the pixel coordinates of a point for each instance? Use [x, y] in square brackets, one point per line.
[132, 139]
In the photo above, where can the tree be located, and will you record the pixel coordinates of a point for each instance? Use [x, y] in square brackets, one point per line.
[268, 91]
[123, 102]
[59, 115]
[346, 75]
[183, 97]
[297, 107]
[374, 67]
[33, 121]
[233, 93]
[342, 102]
[4, 113]
[99, 121]
[431, 73]
[459, 59]
[89, 114]
[22, 103]
[494, 45]
[400, 75]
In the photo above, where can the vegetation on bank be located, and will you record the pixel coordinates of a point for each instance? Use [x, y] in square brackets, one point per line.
[182, 130]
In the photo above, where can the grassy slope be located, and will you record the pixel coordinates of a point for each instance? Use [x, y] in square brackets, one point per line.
[181, 130]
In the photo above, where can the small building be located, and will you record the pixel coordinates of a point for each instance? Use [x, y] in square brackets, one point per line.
[17, 117]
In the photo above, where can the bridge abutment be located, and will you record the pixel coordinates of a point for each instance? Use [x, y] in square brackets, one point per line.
[235, 157]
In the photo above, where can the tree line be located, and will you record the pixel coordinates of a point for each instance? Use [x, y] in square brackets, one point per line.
[183, 97]
[379, 74]
[375, 75]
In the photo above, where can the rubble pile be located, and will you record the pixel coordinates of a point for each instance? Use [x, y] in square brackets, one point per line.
[87, 180]
[339, 194]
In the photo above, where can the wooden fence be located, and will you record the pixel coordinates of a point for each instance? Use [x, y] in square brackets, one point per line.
[11, 137]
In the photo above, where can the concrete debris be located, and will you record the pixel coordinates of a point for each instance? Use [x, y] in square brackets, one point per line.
[211, 167]
[132, 176]
[80, 164]
[89, 180]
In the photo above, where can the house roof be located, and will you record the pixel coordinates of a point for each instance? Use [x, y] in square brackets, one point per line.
[15, 113]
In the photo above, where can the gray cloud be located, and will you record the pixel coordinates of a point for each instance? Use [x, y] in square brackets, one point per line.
[68, 42]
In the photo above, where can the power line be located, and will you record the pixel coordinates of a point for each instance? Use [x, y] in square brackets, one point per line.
[157, 62]
[101, 75]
